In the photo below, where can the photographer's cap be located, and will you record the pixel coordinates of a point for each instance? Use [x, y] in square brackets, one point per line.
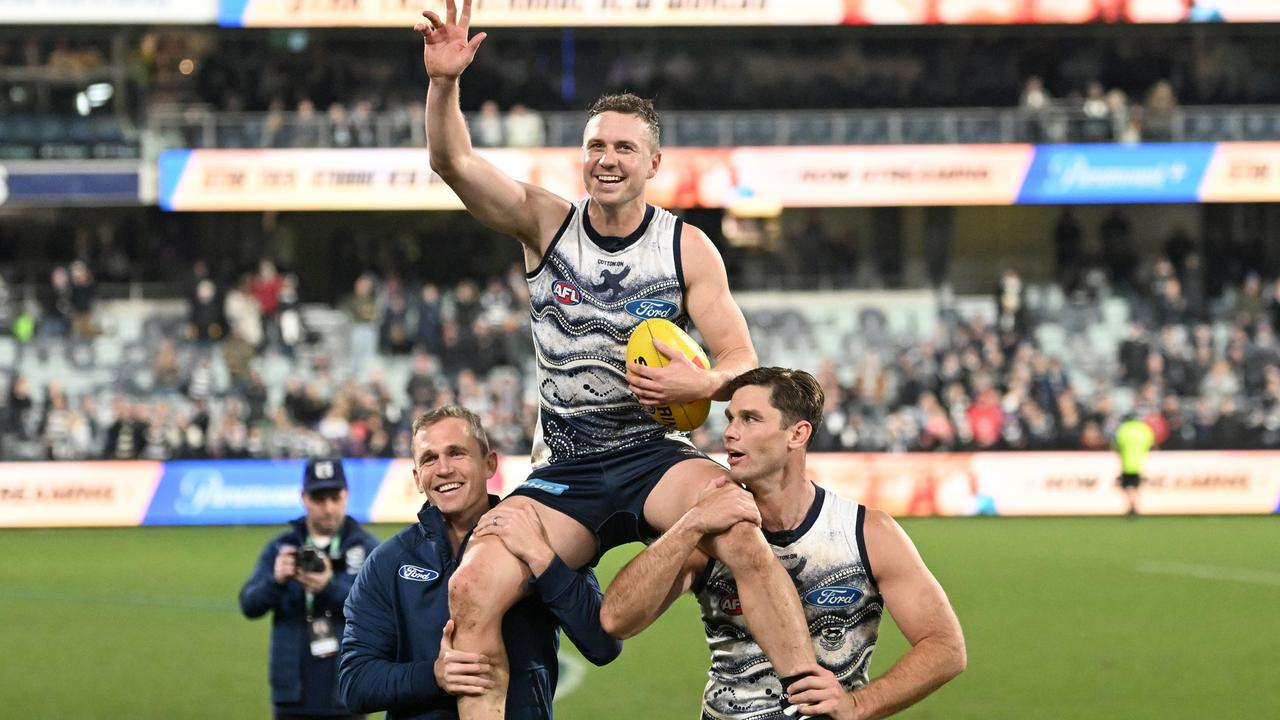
[324, 474]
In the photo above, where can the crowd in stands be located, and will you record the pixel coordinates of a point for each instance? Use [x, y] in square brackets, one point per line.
[1203, 371]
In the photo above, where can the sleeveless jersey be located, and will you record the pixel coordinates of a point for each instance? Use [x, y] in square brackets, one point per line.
[585, 297]
[827, 561]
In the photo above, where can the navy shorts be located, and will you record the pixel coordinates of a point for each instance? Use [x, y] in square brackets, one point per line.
[1130, 480]
[607, 491]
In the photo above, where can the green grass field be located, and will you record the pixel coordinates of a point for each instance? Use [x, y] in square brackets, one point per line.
[1065, 618]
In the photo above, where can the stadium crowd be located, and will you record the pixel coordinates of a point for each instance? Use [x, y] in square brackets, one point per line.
[1203, 370]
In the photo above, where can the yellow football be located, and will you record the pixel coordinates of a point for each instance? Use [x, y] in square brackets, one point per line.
[641, 350]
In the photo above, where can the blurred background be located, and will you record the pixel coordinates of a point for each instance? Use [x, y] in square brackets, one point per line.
[992, 228]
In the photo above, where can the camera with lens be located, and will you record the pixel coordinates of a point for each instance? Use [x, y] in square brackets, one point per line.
[310, 559]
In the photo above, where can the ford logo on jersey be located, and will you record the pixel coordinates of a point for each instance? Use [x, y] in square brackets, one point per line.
[835, 596]
[648, 308]
[417, 574]
[566, 293]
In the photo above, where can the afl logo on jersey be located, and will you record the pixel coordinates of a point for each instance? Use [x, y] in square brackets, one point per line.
[565, 293]
[731, 605]
[649, 308]
[835, 596]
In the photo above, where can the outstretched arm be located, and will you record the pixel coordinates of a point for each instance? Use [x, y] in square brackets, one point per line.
[724, 330]
[647, 586]
[920, 608]
[529, 213]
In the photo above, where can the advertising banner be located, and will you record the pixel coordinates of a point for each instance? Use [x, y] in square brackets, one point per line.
[59, 183]
[522, 13]
[1243, 172]
[655, 13]
[70, 494]
[1075, 174]
[386, 179]
[229, 492]
[123, 12]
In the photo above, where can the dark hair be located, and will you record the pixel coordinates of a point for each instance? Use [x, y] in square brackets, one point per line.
[629, 104]
[474, 427]
[795, 392]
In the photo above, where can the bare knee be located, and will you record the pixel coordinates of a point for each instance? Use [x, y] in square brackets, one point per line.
[486, 584]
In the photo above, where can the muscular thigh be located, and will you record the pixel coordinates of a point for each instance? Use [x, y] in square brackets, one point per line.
[678, 490]
[572, 541]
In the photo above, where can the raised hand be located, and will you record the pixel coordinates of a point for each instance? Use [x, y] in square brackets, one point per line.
[447, 51]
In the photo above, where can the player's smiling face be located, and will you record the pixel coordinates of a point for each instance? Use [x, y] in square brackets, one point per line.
[618, 158]
[450, 468]
[755, 438]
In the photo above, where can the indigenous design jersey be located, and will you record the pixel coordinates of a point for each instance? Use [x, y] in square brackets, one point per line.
[827, 560]
[585, 297]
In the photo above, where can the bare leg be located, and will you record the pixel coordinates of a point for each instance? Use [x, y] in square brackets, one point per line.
[770, 603]
[487, 583]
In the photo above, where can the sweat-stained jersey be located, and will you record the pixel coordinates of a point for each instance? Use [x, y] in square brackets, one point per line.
[827, 560]
[585, 297]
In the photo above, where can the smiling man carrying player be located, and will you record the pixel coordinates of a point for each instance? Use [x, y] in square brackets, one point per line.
[604, 472]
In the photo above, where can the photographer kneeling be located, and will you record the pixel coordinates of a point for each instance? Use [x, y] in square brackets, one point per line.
[303, 577]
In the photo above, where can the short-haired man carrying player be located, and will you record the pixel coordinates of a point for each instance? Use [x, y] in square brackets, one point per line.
[847, 562]
[604, 471]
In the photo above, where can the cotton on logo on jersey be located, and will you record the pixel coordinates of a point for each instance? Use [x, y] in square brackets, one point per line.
[418, 574]
[566, 294]
[835, 596]
[731, 605]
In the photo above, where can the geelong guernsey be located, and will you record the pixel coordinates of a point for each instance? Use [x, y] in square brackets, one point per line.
[585, 297]
[827, 560]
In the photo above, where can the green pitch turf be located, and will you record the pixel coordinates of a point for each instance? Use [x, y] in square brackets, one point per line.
[1065, 618]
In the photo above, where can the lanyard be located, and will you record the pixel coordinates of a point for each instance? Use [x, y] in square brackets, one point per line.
[335, 552]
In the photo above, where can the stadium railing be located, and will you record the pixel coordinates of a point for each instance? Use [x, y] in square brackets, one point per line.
[196, 128]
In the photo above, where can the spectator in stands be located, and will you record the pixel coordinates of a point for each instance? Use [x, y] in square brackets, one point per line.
[1036, 104]
[1159, 110]
[341, 134]
[1118, 252]
[293, 330]
[394, 334]
[524, 128]
[82, 293]
[166, 368]
[362, 307]
[126, 435]
[206, 322]
[1097, 124]
[428, 313]
[487, 128]
[1011, 308]
[56, 313]
[244, 314]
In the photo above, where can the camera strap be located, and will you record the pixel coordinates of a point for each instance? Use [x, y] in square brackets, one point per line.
[321, 633]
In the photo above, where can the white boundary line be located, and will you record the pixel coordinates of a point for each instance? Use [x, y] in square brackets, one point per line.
[1211, 572]
[572, 673]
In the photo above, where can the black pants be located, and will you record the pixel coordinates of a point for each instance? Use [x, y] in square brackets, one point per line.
[293, 716]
